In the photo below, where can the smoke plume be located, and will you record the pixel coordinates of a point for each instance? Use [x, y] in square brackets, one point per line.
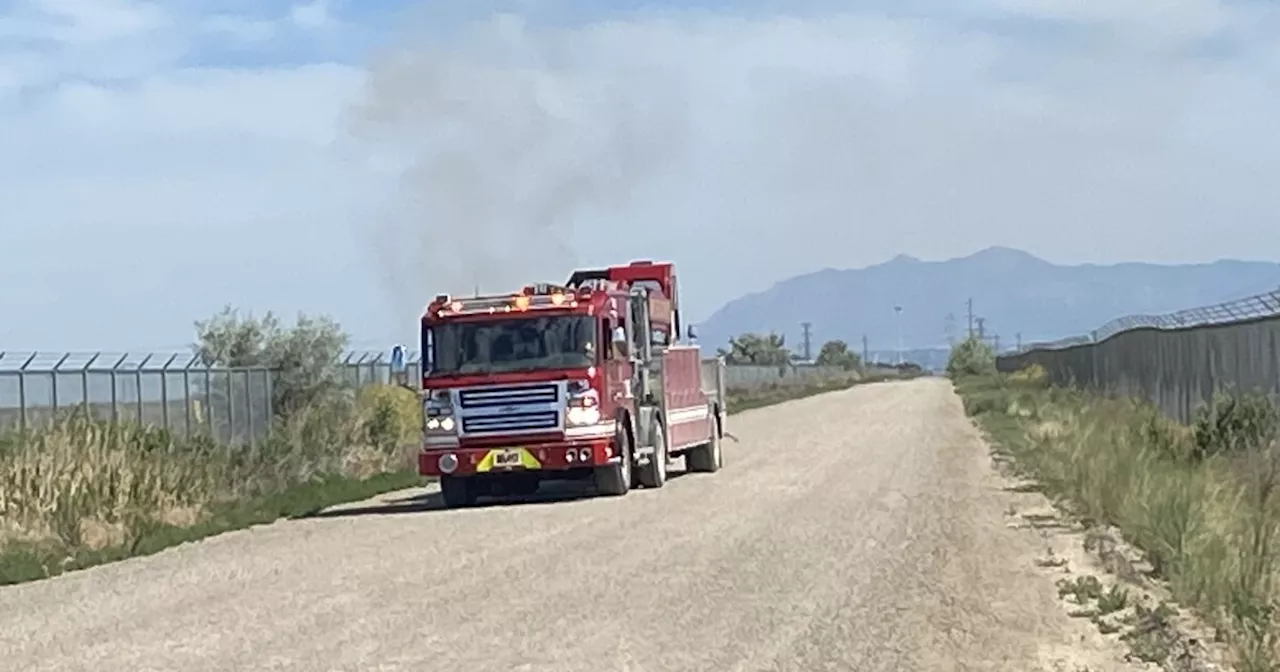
[502, 151]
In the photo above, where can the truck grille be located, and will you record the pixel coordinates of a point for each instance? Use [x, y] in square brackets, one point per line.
[521, 421]
[497, 397]
[510, 408]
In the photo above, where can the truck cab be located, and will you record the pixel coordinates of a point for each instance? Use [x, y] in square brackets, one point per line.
[583, 381]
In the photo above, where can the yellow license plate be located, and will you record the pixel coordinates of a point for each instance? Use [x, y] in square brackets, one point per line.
[507, 458]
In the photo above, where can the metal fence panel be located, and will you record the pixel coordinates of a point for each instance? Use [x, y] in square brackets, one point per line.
[1175, 361]
[174, 391]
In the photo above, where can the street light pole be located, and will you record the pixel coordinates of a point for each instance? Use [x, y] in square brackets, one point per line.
[897, 311]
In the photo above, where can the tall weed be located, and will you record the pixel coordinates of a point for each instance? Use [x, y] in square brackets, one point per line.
[83, 483]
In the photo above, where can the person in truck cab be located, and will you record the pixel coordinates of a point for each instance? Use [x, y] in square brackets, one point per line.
[528, 344]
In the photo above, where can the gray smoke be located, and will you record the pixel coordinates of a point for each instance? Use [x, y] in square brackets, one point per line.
[504, 152]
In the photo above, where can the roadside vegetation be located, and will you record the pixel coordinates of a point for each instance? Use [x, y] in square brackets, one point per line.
[1202, 503]
[840, 368]
[80, 491]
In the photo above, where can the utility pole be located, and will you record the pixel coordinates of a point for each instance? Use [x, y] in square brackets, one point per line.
[897, 310]
[951, 329]
[982, 332]
[970, 304]
[997, 344]
[1018, 336]
[865, 353]
[808, 353]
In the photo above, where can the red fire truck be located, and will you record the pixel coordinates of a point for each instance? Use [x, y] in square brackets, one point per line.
[586, 380]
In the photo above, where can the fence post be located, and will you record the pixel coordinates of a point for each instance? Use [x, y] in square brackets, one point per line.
[53, 382]
[208, 402]
[164, 392]
[115, 382]
[231, 407]
[248, 403]
[271, 396]
[138, 377]
[186, 392]
[84, 384]
[22, 394]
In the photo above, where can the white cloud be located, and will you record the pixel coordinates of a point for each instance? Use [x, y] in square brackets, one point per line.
[747, 146]
[314, 14]
[242, 29]
[85, 21]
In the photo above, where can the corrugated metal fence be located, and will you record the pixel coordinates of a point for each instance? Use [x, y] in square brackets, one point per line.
[1176, 361]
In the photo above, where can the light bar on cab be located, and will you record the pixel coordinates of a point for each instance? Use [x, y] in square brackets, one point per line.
[533, 297]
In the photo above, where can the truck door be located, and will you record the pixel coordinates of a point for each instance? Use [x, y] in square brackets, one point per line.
[618, 370]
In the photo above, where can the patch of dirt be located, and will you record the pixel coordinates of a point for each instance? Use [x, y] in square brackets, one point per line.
[1105, 581]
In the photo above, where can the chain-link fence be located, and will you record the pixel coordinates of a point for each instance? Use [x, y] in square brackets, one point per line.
[232, 405]
[174, 391]
[367, 367]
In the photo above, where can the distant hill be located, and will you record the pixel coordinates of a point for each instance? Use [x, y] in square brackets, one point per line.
[1015, 291]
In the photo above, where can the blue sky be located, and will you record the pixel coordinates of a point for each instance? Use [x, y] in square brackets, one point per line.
[160, 160]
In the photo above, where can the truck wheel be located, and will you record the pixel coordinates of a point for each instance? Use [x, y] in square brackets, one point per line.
[458, 492]
[615, 479]
[707, 458]
[654, 474]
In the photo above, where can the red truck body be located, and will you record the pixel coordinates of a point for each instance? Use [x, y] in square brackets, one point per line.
[583, 380]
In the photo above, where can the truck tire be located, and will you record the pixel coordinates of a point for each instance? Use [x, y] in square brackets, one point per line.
[707, 458]
[654, 474]
[458, 492]
[614, 480]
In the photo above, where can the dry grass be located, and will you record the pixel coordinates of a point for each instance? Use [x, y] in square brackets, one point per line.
[1200, 502]
[84, 484]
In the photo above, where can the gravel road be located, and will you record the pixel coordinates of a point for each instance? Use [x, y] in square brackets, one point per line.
[860, 530]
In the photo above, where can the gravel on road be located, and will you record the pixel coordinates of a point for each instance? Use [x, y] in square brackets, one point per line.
[858, 530]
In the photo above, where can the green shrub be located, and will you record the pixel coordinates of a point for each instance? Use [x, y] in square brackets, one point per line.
[971, 357]
[1233, 423]
[304, 357]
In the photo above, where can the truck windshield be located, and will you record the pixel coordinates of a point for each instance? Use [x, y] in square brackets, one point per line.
[520, 344]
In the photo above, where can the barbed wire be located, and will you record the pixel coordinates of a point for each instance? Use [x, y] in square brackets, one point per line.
[1239, 310]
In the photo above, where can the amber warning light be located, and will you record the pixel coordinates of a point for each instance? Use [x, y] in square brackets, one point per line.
[531, 297]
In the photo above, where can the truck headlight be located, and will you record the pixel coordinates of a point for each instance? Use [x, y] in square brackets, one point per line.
[437, 409]
[444, 424]
[583, 404]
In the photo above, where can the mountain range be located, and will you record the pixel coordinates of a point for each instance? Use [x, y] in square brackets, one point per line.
[1017, 295]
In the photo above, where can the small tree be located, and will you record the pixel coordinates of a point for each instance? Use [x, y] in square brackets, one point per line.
[304, 357]
[971, 357]
[837, 353]
[758, 350]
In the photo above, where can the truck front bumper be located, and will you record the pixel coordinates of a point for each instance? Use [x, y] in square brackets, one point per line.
[516, 458]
